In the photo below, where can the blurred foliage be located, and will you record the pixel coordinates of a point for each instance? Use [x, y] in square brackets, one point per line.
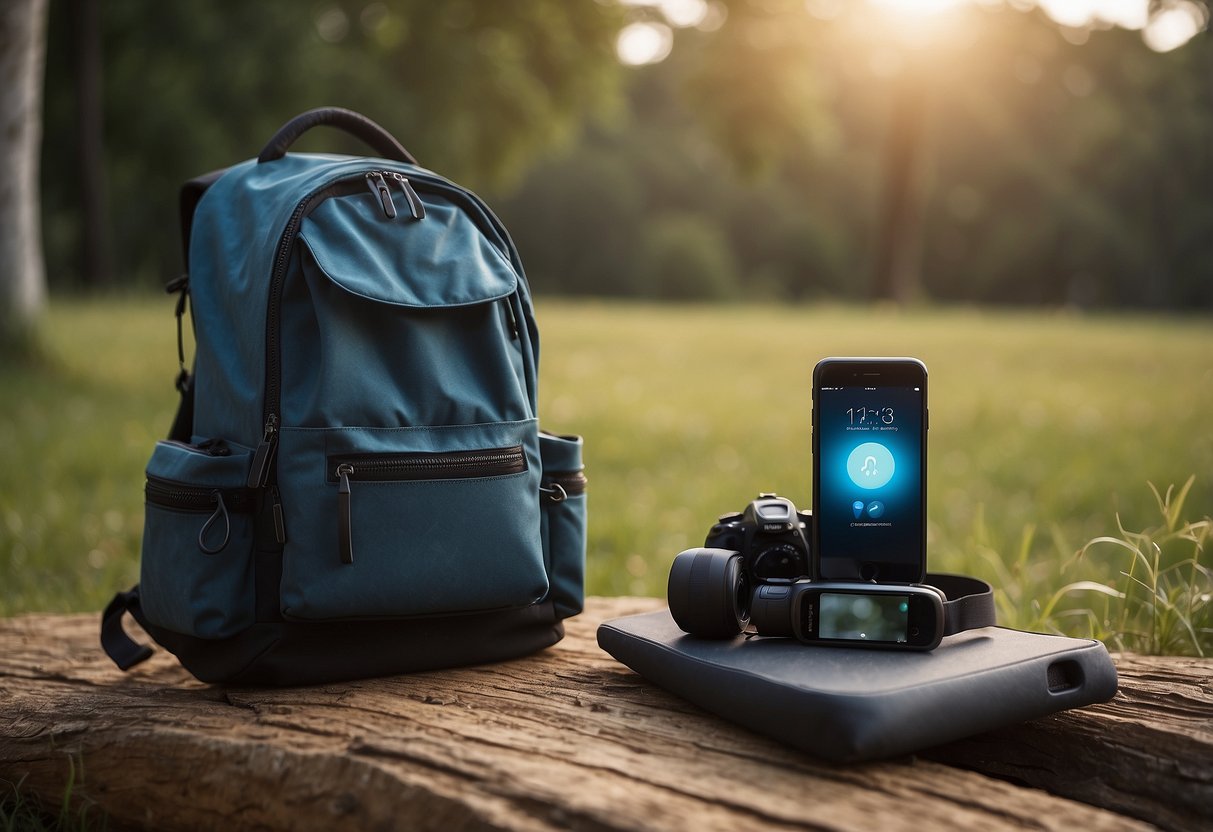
[474, 89]
[1047, 171]
[1045, 165]
[686, 259]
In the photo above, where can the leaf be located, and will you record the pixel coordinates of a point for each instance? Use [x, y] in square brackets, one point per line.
[1092, 586]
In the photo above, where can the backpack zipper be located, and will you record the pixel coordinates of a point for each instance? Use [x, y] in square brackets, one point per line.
[416, 207]
[378, 181]
[378, 187]
[444, 465]
[177, 495]
[346, 185]
[219, 502]
[209, 447]
[408, 467]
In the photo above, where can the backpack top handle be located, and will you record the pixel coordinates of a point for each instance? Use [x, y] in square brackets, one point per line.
[383, 142]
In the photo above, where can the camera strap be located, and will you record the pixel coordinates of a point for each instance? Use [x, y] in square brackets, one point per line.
[969, 604]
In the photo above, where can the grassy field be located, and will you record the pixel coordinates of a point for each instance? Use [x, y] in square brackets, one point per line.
[1046, 427]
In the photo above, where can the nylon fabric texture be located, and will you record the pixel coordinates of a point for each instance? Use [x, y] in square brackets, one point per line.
[363, 451]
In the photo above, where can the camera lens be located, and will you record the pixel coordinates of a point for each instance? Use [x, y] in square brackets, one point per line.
[708, 593]
[780, 561]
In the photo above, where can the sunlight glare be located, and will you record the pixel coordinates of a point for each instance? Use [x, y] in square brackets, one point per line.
[825, 9]
[1073, 13]
[644, 43]
[1173, 27]
[917, 7]
[680, 13]
[1164, 29]
[684, 13]
[1127, 14]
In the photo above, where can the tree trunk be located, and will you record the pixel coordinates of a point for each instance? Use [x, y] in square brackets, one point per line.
[899, 244]
[96, 268]
[22, 60]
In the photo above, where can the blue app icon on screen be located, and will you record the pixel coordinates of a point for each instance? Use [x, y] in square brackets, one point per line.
[871, 465]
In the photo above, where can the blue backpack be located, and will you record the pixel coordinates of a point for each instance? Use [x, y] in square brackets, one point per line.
[355, 483]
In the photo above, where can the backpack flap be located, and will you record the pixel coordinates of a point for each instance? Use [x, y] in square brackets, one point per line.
[439, 260]
[405, 322]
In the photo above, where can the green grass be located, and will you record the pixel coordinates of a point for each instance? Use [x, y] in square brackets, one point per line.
[21, 812]
[1047, 430]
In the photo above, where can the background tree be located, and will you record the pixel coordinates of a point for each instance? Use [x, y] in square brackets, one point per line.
[825, 148]
[22, 275]
[88, 71]
[474, 89]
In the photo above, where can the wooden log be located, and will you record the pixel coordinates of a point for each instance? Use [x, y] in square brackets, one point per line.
[565, 739]
[1148, 753]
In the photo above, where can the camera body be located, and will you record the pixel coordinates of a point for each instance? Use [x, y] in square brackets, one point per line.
[770, 535]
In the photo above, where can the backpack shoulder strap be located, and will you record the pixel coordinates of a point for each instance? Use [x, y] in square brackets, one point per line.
[191, 193]
[125, 651]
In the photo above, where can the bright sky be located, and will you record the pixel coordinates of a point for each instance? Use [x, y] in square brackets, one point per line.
[650, 41]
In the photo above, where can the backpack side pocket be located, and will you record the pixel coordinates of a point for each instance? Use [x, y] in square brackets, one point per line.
[196, 571]
[563, 520]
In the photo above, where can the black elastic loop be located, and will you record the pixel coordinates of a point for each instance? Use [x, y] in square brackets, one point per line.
[220, 511]
[356, 124]
[970, 603]
[125, 652]
[554, 492]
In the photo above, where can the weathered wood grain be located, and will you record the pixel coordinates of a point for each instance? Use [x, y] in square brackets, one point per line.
[1148, 753]
[565, 739]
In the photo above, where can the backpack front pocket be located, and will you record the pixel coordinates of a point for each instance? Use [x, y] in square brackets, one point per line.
[197, 569]
[400, 522]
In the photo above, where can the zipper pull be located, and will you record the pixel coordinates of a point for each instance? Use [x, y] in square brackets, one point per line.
[512, 316]
[263, 457]
[220, 512]
[345, 539]
[416, 208]
[378, 186]
[279, 520]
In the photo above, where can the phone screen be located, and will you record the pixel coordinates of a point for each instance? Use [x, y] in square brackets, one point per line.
[870, 501]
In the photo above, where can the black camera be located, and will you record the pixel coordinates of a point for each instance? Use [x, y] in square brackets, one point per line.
[770, 535]
[710, 597]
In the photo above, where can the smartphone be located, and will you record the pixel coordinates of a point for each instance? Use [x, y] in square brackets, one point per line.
[870, 470]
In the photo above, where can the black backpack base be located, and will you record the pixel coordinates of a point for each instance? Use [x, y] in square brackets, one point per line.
[282, 653]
